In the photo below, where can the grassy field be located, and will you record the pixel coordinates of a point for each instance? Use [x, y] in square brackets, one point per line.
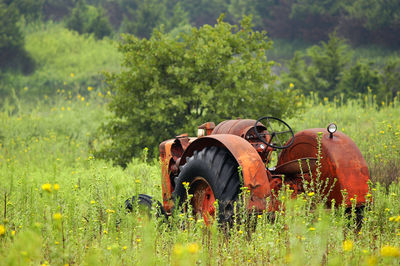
[59, 205]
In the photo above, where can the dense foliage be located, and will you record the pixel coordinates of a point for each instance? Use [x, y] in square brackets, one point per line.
[89, 19]
[360, 21]
[171, 85]
[330, 70]
[12, 51]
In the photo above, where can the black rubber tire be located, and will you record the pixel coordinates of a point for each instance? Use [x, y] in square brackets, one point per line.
[218, 167]
[147, 202]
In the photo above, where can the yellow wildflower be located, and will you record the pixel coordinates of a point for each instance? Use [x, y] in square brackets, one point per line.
[347, 245]
[138, 240]
[312, 229]
[124, 247]
[178, 249]
[57, 216]
[291, 85]
[90, 88]
[310, 194]
[72, 75]
[2, 230]
[56, 187]
[389, 251]
[193, 248]
[46, 187]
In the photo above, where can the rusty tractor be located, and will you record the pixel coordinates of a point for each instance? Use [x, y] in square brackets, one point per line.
[222, 159]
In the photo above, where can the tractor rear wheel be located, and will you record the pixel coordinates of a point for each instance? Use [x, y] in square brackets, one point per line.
[211, 174]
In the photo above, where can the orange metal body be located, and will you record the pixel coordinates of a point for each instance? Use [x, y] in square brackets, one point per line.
[341, 160]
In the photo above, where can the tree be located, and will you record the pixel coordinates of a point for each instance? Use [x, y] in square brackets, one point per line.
[390, 80]
[239, 8]
[375, 13]
[12, 41]
[322, 74]
[171, 85]
[204, 11]
[89, 19]
[361, 78]
[142, 17]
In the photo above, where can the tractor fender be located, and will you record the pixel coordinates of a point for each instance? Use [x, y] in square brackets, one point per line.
[254, 173]
[341, 160]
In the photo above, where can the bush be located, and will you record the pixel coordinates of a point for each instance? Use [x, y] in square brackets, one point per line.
[172, 85]
[361, 78]
[89, 19]
[13, 55]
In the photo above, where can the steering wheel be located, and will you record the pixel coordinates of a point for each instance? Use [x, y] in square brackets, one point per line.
[284, 128]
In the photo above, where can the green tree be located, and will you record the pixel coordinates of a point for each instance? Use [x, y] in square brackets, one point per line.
[12, 42]
[176, 18]
[89, 19]
[361, 78]
[204, 11]
[390, 80]
[171, 85]
[30, 9]
[239, 8]
[375, 13]
[142, 17]
[296, 73]
[325, 68]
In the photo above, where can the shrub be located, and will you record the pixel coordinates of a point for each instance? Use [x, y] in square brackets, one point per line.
[89, 19]
[172, 85]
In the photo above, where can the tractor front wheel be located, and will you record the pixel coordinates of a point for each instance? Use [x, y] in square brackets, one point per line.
[210, 174]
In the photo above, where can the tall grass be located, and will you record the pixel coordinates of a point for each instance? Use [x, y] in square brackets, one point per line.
[59, 205]
[64, 60]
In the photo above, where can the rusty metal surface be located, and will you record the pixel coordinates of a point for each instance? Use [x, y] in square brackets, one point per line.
[254, 174]
[166, 160]
[170, 154]
[203, 199]
[341, 160]
[208, 126]
[296, 166]
[237, 127]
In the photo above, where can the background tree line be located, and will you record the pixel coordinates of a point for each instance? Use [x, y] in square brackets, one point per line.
[360, 21]
[327, 68]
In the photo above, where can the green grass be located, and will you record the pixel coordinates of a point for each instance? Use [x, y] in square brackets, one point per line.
[64, 60]
[83, 221]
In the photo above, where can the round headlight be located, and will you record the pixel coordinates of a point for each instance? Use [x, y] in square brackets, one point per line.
[332, 128]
